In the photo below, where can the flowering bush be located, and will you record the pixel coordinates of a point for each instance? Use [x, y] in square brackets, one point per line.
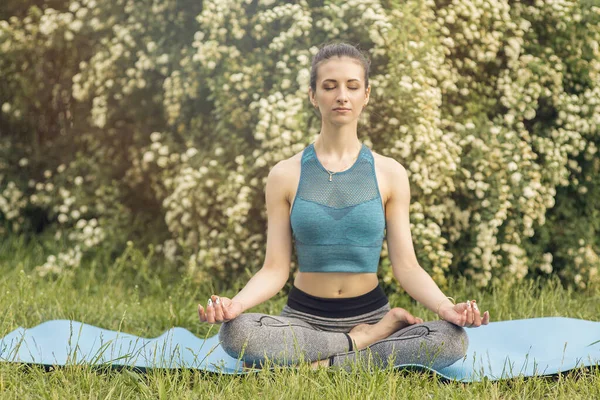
[159, 120]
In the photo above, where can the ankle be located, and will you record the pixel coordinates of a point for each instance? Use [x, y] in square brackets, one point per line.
[358, 340]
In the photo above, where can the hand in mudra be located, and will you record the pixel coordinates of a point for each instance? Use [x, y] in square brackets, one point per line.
[219, 309]
[465, 314]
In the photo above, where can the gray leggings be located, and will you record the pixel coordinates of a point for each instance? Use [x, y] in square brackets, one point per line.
[294, 336]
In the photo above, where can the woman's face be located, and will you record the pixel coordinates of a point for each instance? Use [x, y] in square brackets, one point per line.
[341, 93]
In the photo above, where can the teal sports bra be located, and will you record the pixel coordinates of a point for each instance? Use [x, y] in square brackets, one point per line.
[338, 225]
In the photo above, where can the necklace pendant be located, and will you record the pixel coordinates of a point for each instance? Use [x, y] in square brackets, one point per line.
[330, 175]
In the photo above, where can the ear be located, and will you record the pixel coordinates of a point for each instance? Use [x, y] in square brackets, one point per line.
[367, 94]
[311, 97]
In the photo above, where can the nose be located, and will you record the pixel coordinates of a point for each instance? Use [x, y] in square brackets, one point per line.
[342, 95]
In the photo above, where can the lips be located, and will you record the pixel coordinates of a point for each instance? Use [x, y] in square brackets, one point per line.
[341, 109]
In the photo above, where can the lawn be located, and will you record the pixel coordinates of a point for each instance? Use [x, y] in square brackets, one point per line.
[135, 294]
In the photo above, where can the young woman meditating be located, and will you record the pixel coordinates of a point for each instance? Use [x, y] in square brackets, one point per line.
[334, 200]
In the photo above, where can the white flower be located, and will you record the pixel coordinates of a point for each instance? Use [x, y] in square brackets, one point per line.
[155, 136]
[148, 157]
[528, 192]
[162, 162]
[191, 152]
[81, 13]
[163, 150]
[303, 78]
[76, 25]
[73, 7]
[303, 59]
[515, 178]
[163, 59]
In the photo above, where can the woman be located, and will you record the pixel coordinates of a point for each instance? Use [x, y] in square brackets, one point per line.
[335, 199]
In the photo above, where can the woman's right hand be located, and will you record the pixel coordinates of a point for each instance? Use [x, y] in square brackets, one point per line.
[219, 309]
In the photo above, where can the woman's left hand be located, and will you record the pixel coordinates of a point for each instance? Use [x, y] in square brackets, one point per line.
[465, 314]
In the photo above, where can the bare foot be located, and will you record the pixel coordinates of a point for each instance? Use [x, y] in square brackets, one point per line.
[397, 318]
[320, 363]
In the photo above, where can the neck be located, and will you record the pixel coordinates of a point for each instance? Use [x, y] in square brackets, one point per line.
[338, 143]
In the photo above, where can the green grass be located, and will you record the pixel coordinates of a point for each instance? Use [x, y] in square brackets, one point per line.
[137, 294]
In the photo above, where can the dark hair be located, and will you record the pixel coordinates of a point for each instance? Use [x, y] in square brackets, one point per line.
[341, 49]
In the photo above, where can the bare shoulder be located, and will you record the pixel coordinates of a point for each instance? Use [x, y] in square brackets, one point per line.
[287, 169]
[390, 169]
[287, 166]
[285, 175]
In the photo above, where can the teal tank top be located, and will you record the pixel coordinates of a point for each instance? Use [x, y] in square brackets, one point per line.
[338, 225]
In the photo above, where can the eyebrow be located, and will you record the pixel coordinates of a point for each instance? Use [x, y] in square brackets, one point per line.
[333, 80]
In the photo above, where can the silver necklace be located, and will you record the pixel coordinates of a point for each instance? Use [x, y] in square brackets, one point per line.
[331, 173]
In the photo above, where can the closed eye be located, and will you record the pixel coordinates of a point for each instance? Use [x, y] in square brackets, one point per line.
[352, 88]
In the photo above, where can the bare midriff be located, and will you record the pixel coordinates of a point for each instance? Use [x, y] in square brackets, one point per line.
[335, 284]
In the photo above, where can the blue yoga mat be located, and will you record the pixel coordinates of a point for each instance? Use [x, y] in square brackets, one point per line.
[500, 350]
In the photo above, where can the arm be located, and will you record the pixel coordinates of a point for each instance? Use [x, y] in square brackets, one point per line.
[273, 275]
[411, 276]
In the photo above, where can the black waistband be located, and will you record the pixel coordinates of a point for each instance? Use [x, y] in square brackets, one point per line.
[336, 307]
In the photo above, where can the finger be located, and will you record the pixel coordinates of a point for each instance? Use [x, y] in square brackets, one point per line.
[469, 314]
[227, 314]
[461, 307]
[486, 318]
[210, 312]
[457, 318]
[476, 315]
[201, 313]
[218, 309]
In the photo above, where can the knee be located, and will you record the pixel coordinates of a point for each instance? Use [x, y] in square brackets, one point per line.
[235, 334]
[455, 340]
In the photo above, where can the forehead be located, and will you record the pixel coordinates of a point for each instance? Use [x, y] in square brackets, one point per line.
[340, 69]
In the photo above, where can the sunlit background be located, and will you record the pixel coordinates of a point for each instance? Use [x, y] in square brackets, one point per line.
[154, 123]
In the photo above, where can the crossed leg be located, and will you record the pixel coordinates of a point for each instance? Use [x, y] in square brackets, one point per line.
[287, 340]
[436, 344]
[253, 337]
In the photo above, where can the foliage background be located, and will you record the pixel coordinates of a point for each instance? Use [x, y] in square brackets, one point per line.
[157, 121]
